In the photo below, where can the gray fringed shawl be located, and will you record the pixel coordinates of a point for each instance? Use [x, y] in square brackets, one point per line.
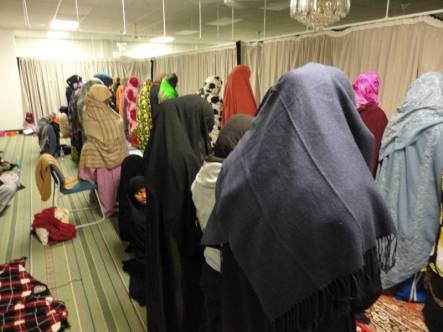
[297, 203]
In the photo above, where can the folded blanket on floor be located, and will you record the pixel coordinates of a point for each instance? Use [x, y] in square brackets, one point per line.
[56, 229]
[26, 304]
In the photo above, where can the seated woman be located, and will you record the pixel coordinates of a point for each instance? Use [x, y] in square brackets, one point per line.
[7, 191]
[203, 195]
[131, 167]
[137, 200]
[47, 137]
[105, 146]
[29, 122]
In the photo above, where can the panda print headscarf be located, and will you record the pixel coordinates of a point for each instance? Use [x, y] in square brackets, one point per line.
[211, 93]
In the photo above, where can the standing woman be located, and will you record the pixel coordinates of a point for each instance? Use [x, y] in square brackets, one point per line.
[176, 150]
[105, 146]
[203, 195]
[303, 227]
[411, 159]
[75, 112]
[153, 94]
[367, 88]
[238, 97]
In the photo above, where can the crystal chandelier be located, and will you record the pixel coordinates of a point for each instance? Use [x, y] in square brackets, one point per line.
[317, 14]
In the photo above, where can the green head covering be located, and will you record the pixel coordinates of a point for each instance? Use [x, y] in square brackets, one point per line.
[167, 91]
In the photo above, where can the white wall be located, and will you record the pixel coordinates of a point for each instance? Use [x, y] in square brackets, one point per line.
[11, 111]
[96, 49]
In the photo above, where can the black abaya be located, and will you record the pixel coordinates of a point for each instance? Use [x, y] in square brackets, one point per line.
[242, 311]
[175, 152]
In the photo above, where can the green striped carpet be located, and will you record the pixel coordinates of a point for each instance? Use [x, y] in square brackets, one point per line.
[85, 272]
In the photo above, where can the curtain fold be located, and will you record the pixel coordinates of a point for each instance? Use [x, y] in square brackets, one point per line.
[43, 81]
[399, 51]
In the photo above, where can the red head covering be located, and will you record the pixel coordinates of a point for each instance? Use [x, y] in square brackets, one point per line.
[238, 96]
[29, 117]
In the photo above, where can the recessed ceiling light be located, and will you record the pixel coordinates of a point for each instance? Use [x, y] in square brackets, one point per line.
[58, 34]
[276, 6]
[186, 32]
[64, 25]
[223, 21]
[162, 39]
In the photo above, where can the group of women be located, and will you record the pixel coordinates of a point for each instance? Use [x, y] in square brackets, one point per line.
[270, 220]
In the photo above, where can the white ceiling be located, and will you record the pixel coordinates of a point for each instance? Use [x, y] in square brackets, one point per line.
[103, 18]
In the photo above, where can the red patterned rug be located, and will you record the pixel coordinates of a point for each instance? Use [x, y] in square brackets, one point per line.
[390, 315]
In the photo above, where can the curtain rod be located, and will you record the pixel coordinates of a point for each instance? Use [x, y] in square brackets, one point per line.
[351, 25]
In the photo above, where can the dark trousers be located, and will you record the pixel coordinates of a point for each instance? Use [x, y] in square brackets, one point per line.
[210, 283]
[433, 310]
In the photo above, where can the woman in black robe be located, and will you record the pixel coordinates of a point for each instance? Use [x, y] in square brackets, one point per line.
[175, 152]
[303, 228]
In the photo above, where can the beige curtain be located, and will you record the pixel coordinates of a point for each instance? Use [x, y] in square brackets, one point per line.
[43, 81]
[399, 52]
[192, 69]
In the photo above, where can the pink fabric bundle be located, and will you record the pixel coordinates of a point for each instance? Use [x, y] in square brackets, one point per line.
[366, 87]
[131, 92]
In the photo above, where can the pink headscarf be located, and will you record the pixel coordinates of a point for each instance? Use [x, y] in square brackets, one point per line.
[366, 87]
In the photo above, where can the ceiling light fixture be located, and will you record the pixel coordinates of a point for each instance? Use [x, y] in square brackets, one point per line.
[124, 17]
[232, 23]
[265, 8]
[58, 34]
[163, 39]
[235, 4]
[64, 25]
[318, 14]
[200, 17]
[26, 14]
[76, 11]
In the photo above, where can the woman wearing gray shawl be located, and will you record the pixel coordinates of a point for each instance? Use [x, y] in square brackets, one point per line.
[411, 158]
[303, 228]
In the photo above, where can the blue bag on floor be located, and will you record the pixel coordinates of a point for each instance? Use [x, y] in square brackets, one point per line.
[412, 290]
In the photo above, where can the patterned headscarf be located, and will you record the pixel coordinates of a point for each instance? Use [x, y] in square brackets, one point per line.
[212, 86]
[144, 115]
[131, 93]
[211, 93]
[366, 87]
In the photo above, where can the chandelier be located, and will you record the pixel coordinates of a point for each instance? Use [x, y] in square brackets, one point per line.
[317, 14]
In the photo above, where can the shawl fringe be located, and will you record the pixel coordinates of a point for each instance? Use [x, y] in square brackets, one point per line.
[335, 299]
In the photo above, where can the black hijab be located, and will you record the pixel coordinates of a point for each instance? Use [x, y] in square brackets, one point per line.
[176, 150]
[138, 216]
[231, 134]
[74, 83]
[297, 204]
[132, 166]
[135, 184]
